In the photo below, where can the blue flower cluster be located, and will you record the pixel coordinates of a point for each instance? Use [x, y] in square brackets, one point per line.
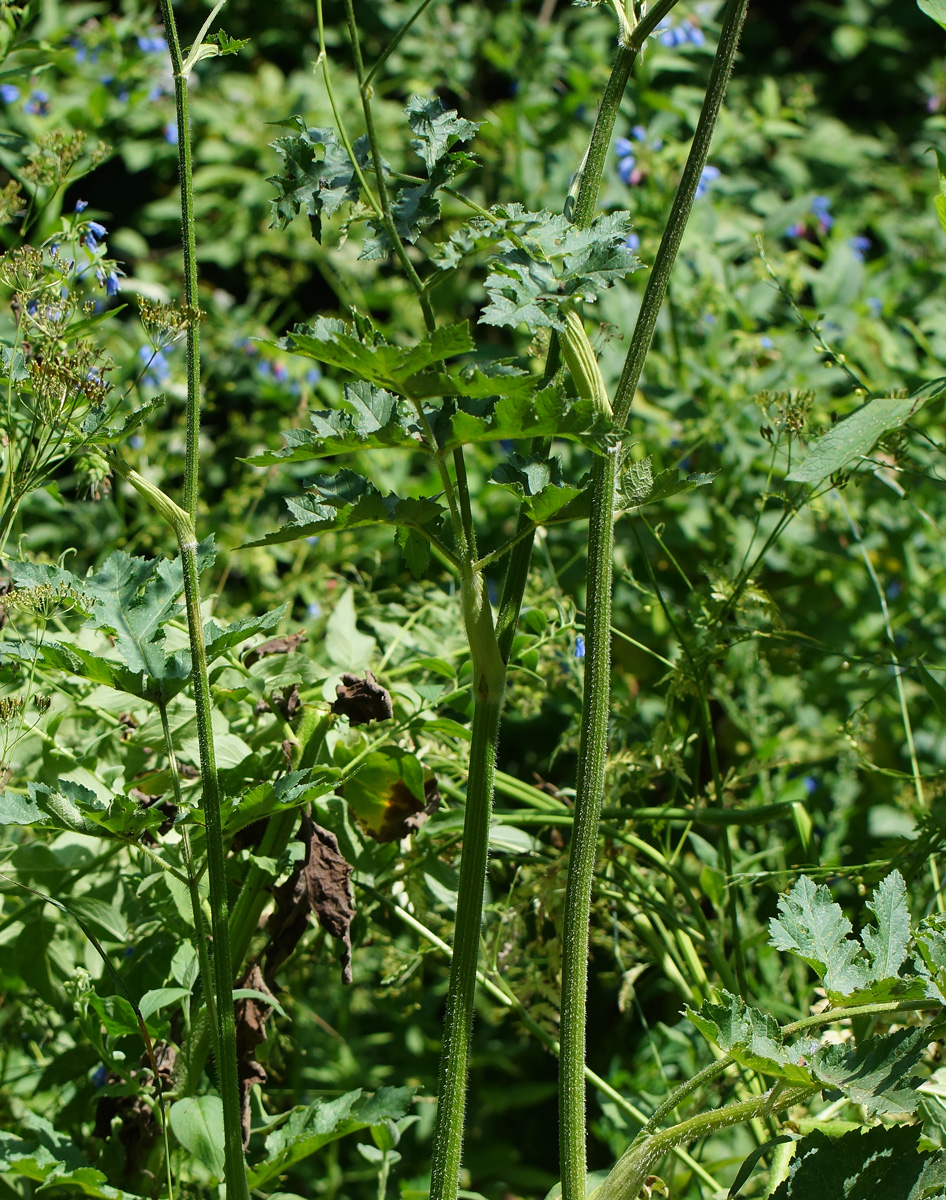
[37, 105]
[820, 208]
[679, 33]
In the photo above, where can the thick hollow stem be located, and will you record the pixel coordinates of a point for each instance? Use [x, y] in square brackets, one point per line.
[489, 674]
[458, 1021]
[592, 755]
[597, 698]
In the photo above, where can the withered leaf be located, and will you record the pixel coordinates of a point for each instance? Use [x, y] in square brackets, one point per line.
[362, 700]
[277, 645]
[287, 703]
[251, 1017]
[320, 884]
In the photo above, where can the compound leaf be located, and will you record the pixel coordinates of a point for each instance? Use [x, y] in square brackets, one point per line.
[753, 1038]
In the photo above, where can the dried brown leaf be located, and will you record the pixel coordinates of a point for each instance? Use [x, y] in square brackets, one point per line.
[362, 700]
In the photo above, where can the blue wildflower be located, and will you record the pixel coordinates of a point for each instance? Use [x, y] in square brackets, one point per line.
[280, 372]
[766, 342]
[38, 104]
[707, 178]
[820, 207]
[9, 92]
[170, 133]
[112, 285]
[152, 43]
[313, 375]
[100, 1076]
[157, 369]
[136, 441]
[876, 305]
[579, 647]
[312, 541]
[81, 205]
[628, 171]
[859, 246]
[32, 307]
[314, 610]
[811, 784]
[632, 242]
[685, 32]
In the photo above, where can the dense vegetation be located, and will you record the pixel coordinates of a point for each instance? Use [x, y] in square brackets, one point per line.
[295, 507]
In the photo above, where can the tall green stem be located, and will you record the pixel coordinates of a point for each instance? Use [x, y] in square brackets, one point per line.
[489, 678]
[189, 246]
[180, 522]
[597, 697]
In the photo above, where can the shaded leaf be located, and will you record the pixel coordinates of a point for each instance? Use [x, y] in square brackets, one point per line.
[391, 796]
[878, 1074]
[880, 1163]
[309, 1129]
[753, 1038]
[319, 176]
[197, 1122]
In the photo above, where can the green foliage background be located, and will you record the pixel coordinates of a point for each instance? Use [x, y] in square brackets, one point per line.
[809, 646]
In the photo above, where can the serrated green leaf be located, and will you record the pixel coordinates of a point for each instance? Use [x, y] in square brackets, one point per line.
[544, 261]
[880, 1163]
[638, 485]
[319, 176]
[415, 549]
[226, 44]
[289, 791]
[346, 501]
[812, 926]
[309, 1129]
[887, 944]
[857, 434]
[878, 1074]
[538, 484]
[64, 805]
[437, 129]
[372, 358]
[753, 1038]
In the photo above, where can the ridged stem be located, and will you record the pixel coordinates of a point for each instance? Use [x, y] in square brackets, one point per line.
[592, 757]
[597, 695]
[489, 676]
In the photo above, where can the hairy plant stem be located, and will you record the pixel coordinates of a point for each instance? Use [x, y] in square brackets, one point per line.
[189, 246]
[458, 1020]
[628, 1176]
[489, 681]
[597, 694]
[183, 526]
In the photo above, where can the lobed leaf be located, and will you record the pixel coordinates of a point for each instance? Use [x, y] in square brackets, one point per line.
[319, 175]
[812, 926]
